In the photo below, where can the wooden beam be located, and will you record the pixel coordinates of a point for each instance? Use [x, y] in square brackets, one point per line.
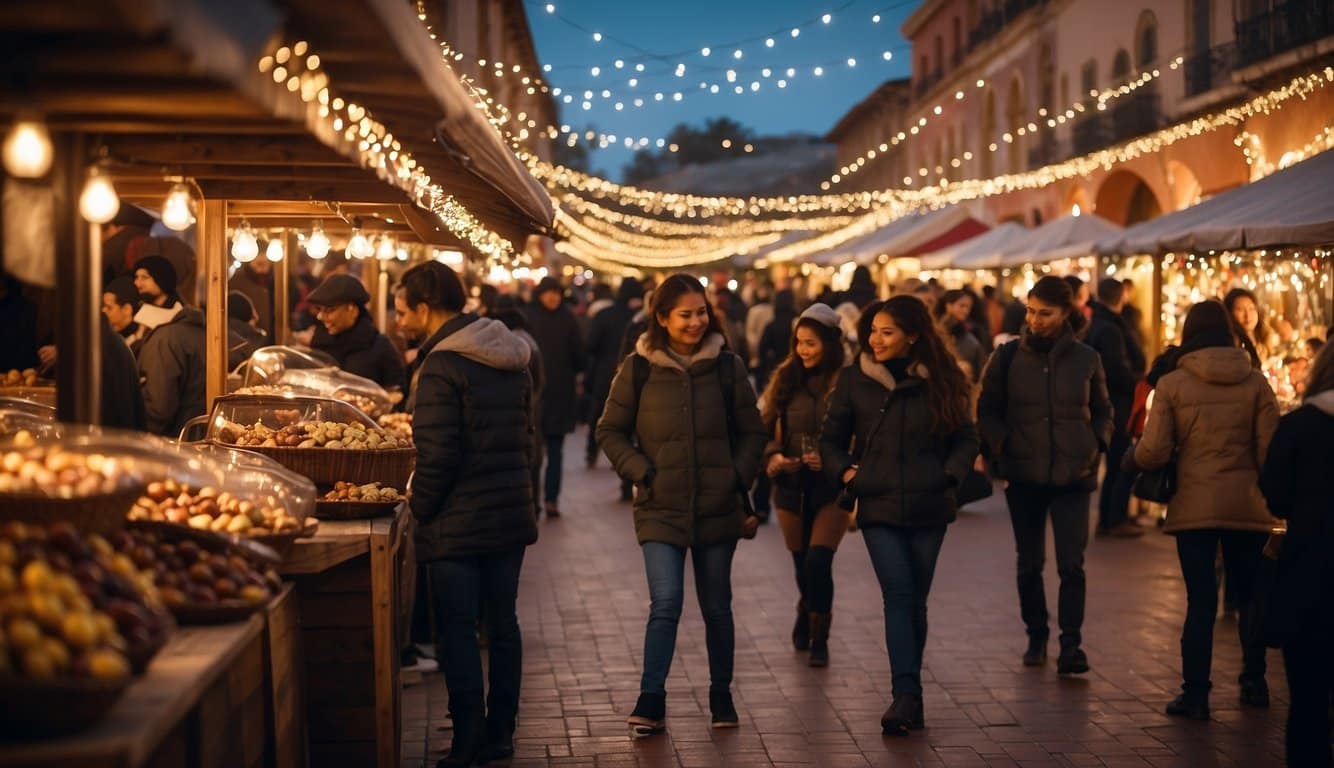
[190, 150]
[78, 291]
[358, 192]
[213, 255]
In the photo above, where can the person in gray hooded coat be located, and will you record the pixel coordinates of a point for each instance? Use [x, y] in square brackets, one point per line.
[473, 503]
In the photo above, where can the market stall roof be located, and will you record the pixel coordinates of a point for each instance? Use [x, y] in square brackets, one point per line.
[177, 88]
[900, 237]
[1063, 238]
[981, 252]
[1291, 207]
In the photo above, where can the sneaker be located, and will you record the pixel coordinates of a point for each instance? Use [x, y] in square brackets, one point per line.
[1191, 708]
[1036, 655]
[724, 713]
[649, 716]
[1255, 693]
[899, 718]
[1072, 661]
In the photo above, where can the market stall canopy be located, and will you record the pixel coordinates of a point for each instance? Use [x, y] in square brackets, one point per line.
[1290, 208]
[901, 237]
[1069, 236]
[177, 88]
[981, 252]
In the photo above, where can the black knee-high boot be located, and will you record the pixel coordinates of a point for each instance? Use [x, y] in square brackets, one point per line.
[820, 601]
[801, 629]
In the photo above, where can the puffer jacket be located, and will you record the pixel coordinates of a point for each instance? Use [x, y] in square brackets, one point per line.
[472, 492]
[804, 415]
[907, 472]
[684, 462]
[1219, 414]
[563, 358]
[172, 370]
[364, 351]
[1046, 417]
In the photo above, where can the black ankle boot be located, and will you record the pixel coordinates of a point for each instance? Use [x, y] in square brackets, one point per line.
[820, 639]
[1036, 655]
[801, 629]
[468, 710]
[649, 716]
[1255, 692]
[722, 709]
[904, 713]
[1192, 707]
[1072, 661]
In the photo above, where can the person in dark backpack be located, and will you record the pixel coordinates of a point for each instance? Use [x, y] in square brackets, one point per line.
[804, 497]
[899, 438]
[1045, 419]
[681, 422]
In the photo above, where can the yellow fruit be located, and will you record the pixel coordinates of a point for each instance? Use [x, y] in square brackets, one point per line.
[106, 626]
[253, 594]
[36, 576]
[8, 581]
[66, 588]
[7, 554]
[47, 610]
[37, 665]
[23, 633]
[56, 651]
[106, 664]
[80, 630]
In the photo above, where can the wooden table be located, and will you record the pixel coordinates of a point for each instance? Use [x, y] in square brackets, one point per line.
[207, 699]
[350, 593]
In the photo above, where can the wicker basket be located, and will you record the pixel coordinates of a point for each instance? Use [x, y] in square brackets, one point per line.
[354, 510]
[31, 709]
[282, 543]
[326, 466]
[104, 514]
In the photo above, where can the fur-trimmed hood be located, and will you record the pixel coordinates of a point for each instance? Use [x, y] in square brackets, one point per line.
[878, 373]
[709, 349]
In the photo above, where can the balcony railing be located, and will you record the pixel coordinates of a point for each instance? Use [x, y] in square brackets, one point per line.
[1282, 28]
[991, 23]
[1136, 114]
[1210, 69]
[1045, 150]
[928, 81]
[1091, 132]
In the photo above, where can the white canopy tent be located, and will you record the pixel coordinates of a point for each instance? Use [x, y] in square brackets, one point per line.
[898, 237]
[1067, 237]
[1292, 207]
[981, 252]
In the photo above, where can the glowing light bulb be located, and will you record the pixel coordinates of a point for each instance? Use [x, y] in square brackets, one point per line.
[274, 251]
[27, 150]
[176, 214]
[358, 247]
[385, 250]
[317, 245]
[244, 245]
[98, 202]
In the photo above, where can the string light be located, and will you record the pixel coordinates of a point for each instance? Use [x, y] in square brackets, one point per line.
[384, 251]
[27, 149]
[359, 246]
[244, 245]
[176, 210]
[317, 245]
[98, 202]
[274, 251]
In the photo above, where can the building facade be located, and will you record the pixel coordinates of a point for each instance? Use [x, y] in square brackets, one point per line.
[1007, 86]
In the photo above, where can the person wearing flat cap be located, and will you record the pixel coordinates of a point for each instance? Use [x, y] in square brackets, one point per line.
[347, 334]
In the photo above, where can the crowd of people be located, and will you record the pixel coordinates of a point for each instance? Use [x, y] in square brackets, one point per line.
[881, 416]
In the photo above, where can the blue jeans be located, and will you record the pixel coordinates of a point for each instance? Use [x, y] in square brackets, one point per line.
[665, 566]
[466, 589]
[905, 562]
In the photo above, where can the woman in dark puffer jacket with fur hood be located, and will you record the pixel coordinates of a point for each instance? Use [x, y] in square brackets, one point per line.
[897, 434]
[667, 430]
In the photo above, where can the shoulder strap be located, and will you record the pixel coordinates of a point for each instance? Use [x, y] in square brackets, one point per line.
[639, 372]
[1004, 358]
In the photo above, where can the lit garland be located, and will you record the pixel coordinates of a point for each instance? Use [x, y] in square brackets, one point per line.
[665, 228]
[656, 250]
[1053, 119]
[297, 68]
[1260, 167]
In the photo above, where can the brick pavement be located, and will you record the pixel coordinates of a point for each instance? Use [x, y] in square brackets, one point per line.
[583, 603]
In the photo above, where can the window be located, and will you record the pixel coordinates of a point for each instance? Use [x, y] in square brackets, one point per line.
[1088, 77]
[958, 41]
[924, 69]
[1146, 39]
[1120, 67]
[940, 52]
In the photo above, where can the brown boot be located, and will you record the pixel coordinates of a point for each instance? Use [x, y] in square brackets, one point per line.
[820, 639]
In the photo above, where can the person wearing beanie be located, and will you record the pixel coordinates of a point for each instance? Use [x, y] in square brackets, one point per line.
[347, 334]
[120, 302]
[564, 357]
[604, 351]
[243, 330]
[171, 362]
[128, 237]
[155, 279]
[812, 523]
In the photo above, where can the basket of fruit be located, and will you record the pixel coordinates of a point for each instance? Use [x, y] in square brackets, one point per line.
[79, 619]
[325, 440]
[349, 501]
[202, 577]
[28, 385]
[398, 425]
[39, 483]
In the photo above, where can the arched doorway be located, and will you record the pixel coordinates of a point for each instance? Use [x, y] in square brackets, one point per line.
[1125, 198]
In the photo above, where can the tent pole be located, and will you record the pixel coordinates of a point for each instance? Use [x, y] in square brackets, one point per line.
[78, 257]
[213, 249]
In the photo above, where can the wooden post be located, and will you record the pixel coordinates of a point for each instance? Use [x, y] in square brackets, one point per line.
[1158, 343]
[282, 273]
[78, 291]
[214, 257]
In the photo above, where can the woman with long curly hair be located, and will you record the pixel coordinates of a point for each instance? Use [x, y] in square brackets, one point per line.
[812, 523]
[899, 437]
[953, 313]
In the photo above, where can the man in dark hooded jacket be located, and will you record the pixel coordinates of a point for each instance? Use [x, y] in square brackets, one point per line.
[604, 350]
[563, 358]
[1123, 364]
[347, 334]
[172, 369]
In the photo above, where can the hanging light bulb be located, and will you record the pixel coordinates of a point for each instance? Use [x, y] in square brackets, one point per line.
[176, 213]
[401, 253]
[244, 245]
[317, 245]
[98, 202]
[28, 150]
[274, 251]
[385, 250]
[358, 247]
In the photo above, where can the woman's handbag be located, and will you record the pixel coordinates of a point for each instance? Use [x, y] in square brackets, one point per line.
[1157, 484]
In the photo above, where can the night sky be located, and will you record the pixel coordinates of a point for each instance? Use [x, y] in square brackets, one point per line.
[661, 35]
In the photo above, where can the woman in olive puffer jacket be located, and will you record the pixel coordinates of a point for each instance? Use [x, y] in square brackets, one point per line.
[898, 435]
[1045, 418]
[1217, 414]
[673, 440]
